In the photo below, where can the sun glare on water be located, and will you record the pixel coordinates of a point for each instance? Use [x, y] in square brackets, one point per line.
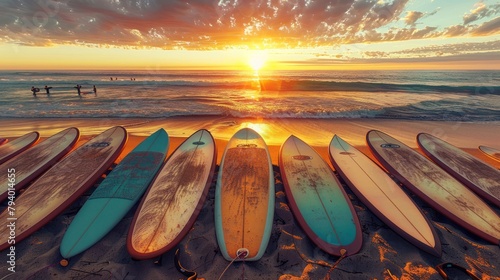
[257, 60]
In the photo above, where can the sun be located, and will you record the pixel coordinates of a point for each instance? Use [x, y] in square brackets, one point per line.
[257, 60]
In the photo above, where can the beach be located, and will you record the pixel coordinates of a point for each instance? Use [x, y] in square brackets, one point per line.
[311, 69]
[290, 254]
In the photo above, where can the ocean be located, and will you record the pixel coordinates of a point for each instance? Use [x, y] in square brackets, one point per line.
[470, 96]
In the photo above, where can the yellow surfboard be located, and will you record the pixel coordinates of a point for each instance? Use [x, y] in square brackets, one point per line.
[244, 198]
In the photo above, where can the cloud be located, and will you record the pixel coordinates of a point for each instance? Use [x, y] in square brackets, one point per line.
[477, 51]
[481, 11]
[488, 28]
[453, 49]
[218, 24]
[385, 57]
[412, 17]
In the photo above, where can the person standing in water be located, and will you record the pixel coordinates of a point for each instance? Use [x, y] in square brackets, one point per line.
[47, 89]
[33, 89]
[95, 91]
[78, 88]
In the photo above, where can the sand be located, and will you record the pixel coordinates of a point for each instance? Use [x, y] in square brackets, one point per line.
[290, 254]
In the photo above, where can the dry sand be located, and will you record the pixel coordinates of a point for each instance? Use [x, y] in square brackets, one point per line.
[290, 254]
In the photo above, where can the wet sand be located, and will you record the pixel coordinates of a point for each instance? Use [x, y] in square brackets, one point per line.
[290, 254]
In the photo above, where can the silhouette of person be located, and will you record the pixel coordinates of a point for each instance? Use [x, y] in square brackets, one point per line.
[95, 91]
[47, 89]
[33, 89]
[78, 88]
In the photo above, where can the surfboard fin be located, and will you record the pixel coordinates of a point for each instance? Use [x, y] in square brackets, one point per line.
[159, 261]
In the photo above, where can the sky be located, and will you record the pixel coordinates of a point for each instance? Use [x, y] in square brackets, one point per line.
[250, 34]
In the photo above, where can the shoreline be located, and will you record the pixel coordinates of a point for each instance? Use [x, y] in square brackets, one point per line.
[316, 132]
[290, 254]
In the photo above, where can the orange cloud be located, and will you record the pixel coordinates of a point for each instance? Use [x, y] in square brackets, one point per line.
[210, 24]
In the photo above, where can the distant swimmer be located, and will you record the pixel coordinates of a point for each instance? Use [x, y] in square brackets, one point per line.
[47, 89]
[78, 88]
[34, 90]
[95, 91]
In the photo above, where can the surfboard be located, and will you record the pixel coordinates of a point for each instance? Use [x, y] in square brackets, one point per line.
[3, 141]
[173, 201]
[61, 185]
[491, 152]
[244, 198]
[317, 200]
[435, 186]
[18, 146]
[36, 160]
[383, 196]
[115, 195]
[479, 176]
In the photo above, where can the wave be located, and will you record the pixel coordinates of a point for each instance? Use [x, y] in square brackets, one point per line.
[311, 85]
[474, 84]
[436, 96]
[409, 112]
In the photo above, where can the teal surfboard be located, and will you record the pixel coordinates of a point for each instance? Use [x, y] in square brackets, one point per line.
[317, 199]
[116, 195]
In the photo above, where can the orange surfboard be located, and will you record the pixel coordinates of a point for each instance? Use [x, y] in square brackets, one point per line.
[491, 152]
[244, 198]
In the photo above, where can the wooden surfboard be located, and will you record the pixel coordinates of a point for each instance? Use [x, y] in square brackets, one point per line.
[479, 176]
[383, 196]
[116, 195]
[173, 201]
[435, 186]
[36, 160]
[17, 146]
[491, 152]
[244, 198]
[317, 199]
[61, 185]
